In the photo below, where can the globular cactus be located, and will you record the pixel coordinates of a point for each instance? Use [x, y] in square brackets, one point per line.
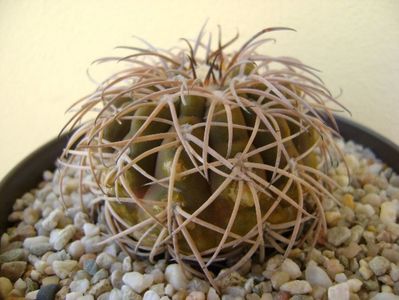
[207, 156]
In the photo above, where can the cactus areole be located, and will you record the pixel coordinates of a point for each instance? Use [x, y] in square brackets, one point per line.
[206, 155]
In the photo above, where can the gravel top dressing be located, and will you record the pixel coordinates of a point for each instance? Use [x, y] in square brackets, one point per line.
[54, 252]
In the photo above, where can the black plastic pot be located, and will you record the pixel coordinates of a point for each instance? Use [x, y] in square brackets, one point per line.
[28, 173]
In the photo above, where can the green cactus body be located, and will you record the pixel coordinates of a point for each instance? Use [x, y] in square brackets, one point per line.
[116, 130]
[191, 190]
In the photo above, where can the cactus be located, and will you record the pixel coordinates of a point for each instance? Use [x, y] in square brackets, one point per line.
[206, 155]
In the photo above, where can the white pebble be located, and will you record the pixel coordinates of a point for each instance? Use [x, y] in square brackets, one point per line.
[51, 221]
[31, 295]
[169, 290]
[86, 297]
[64, 268]
[127, 264]
[175, 276]
[379, 265]
[37, 245]
[80, 219]
[20, 284]
[150, 295]
[365, 209]
[80, 286]
[91, 244]
[290, 267]
[63, 237]
[317, 276]
[385, 296]
[112, 249]
[31, 242]
[137, 281]
[76, 249]
[90, 229]
[339, 291]
[388, 212]
[115, 294]
[73, 296]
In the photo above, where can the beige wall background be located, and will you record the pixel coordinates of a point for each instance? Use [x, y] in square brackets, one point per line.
[46, 46]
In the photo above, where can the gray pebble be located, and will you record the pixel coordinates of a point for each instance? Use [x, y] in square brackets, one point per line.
[379, 265]
[105, 260]
[338, 235]
[116, 279]
[38, 245]
[90, 266]
[48, 292]
[101, 274]
[13, 255]
[81, 274]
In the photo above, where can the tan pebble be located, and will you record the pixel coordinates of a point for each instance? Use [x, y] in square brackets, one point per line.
[354, 285]
[196, 296]
[388, 212]
[296, 287]
[13, 270]
[212, 294]
[281, 296]
[386, 279]
[348, 201]
[180, 295]
[15, 216]
[66, 282]
[50, 280]
[365, 272]
[5, 287]
[16, 293]
[394, 273]
[332, 217]
[266, 296]
[49, 270]
[333, 266]
[11, 297]
[61, 294]
[386, 289]
[35, 275]
[351, 251]
[319, 292]
[279, 278]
